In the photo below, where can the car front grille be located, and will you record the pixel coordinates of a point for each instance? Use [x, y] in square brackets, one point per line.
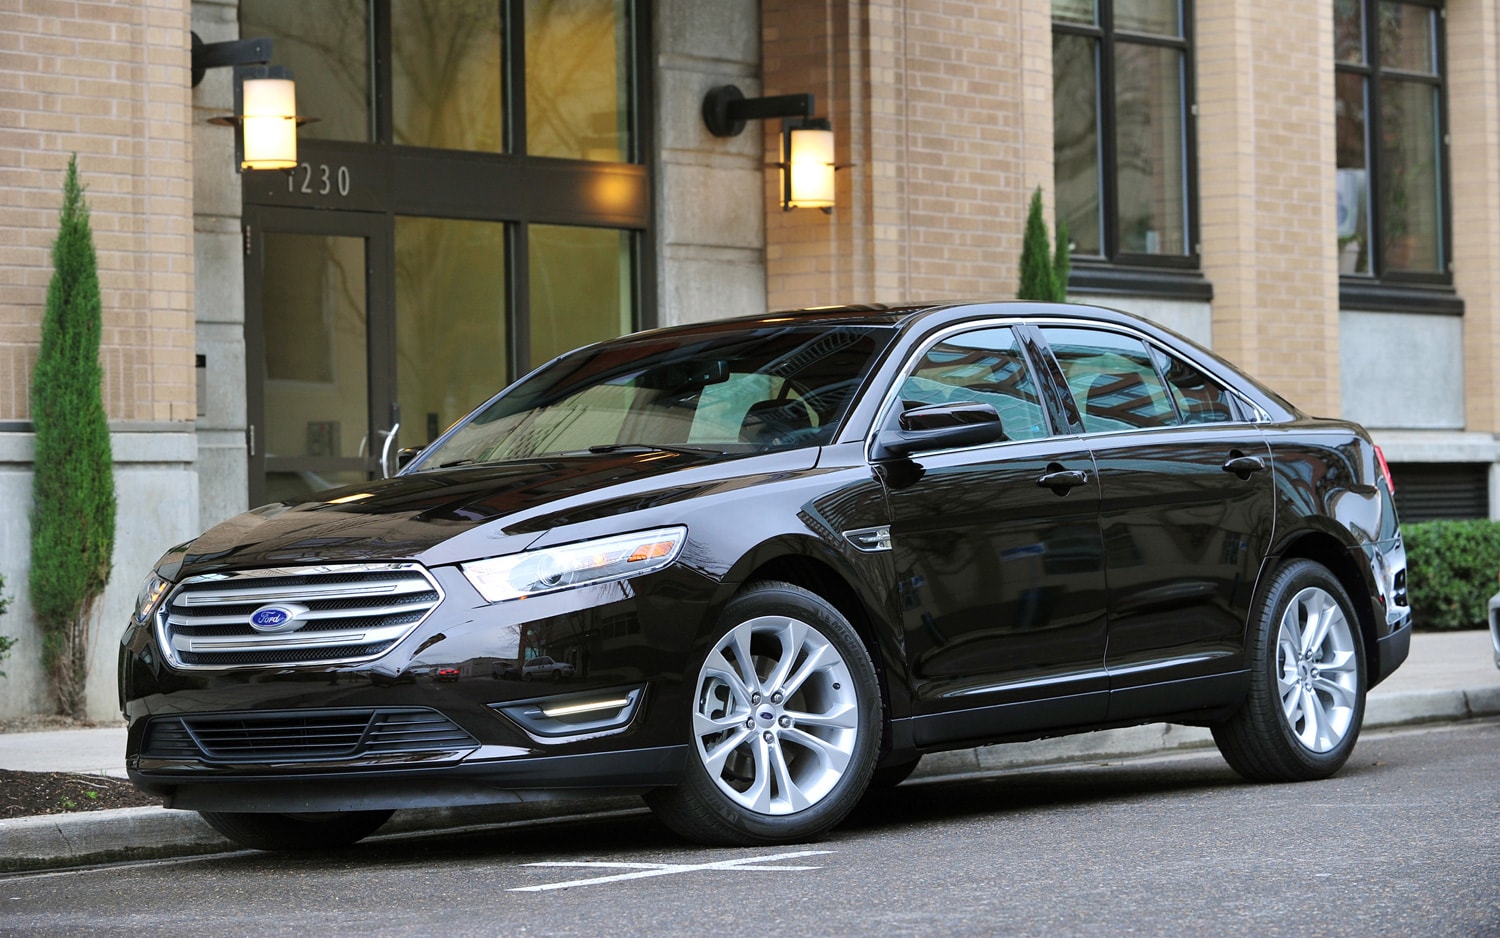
[294, 615]
[303, 736]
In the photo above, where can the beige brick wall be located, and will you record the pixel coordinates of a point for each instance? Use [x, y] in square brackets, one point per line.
[1474, 116]
[1266, 166]
[943, 112]
[110, 82]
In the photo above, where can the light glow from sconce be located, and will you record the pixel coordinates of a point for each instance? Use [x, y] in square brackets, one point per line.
[807, 170]
[270, 123]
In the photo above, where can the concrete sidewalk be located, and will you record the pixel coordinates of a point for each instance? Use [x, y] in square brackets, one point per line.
[1449, 676]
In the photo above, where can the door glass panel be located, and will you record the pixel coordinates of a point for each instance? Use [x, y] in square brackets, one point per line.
[1198, 399]
[578, 79]
[985, 367]
[1111, 378]
[316, 366]
[327, 46]
[446, 74]
[450, 321]
[582, 288]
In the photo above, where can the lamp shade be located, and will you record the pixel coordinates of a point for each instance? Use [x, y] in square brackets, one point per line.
[808, 170]
[270, 123]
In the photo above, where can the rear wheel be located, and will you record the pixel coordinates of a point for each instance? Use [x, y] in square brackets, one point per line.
[1307, 681]
[785, 724]
[321, 831]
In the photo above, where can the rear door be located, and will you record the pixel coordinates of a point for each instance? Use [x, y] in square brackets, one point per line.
[1186, 509]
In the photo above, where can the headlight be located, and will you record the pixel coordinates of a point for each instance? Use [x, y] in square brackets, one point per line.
[151, 592]
[559, 568]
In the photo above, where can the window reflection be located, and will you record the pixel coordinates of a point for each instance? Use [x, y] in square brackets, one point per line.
[446, 74]
[1149, 148]
[582, 287]
[578, 80]
[327, 46]
[451, 352]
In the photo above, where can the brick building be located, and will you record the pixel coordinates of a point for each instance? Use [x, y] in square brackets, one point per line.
[1311, 188]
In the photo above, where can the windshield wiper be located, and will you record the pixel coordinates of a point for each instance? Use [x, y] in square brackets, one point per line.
[655, 448]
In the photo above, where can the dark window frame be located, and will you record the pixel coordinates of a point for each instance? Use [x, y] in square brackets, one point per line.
[1384, 290]
[510, 187]
[1114, 270]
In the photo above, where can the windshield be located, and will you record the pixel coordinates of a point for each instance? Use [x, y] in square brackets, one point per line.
[748, 391]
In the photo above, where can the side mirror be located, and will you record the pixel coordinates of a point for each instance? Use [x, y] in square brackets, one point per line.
[940, 426]
[406, 455]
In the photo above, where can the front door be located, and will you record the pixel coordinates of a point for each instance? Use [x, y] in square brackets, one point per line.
[998, 557]
[322, 408]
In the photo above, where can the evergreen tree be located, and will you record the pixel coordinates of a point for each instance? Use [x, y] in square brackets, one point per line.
[1062, 262]
[73, 493]
[1037, 282]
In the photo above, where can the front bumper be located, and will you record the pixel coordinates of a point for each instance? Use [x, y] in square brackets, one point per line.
[445, 717]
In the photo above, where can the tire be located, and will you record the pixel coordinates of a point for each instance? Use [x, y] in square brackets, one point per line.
[785, 724]
[1307, 681]
[323, 831]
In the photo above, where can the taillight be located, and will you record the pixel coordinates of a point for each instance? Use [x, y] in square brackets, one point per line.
[1385, 470]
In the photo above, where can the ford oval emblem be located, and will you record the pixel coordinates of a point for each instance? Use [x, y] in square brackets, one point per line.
[275, 618]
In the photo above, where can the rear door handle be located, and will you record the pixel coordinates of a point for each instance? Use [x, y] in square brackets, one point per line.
[1242, 465]
[1062, 481]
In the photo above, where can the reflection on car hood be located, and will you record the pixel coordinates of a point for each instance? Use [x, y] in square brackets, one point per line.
[461, 514]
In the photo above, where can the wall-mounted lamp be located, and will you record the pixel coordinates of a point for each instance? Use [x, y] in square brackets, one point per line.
[806, 142]
[807, 164]
[265, 101]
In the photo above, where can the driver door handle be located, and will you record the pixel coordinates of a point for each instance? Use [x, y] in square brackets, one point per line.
[1062, 481]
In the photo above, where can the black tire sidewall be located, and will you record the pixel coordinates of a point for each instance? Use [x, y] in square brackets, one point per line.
[1290, 580]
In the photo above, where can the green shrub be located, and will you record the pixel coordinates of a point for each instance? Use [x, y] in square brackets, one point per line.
[1039, 277]
[1450, 572]
[73, 490]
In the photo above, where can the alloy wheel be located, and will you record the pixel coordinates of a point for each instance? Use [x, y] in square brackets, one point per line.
[776, 715]
[1317, 669]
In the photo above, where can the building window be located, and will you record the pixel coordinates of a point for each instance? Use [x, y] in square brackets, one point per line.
[1389, 104]
[1122, 150]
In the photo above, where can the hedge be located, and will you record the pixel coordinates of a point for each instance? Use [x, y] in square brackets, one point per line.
[1451, 569]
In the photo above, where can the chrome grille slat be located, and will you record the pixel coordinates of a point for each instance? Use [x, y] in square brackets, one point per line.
[344, 614]
[313, 615]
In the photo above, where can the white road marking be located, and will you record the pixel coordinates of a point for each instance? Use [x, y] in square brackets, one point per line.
[643, 870]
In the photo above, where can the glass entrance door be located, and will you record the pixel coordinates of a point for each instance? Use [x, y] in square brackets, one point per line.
[321, 403]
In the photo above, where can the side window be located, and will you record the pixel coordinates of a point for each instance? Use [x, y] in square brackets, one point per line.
[1111, 378]
[1198, 398]
[984, 366]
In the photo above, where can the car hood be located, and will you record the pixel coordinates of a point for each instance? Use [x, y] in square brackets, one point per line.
[453, 515]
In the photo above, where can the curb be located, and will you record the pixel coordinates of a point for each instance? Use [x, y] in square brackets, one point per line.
[56, 841]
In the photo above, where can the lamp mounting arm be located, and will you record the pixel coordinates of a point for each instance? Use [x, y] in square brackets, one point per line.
[207, 55]
[726, 109]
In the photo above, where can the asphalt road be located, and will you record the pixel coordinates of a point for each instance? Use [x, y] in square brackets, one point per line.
[1405, 841]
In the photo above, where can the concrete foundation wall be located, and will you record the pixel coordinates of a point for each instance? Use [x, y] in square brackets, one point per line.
[156, 492]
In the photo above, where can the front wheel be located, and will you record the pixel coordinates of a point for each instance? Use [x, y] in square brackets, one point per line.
[785, 724]
[322, 831]
[1307, 681]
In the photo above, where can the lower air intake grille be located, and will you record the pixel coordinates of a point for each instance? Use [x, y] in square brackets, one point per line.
[303, 735]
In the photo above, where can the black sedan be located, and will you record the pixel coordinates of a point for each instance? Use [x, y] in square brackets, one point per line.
[784, 557]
